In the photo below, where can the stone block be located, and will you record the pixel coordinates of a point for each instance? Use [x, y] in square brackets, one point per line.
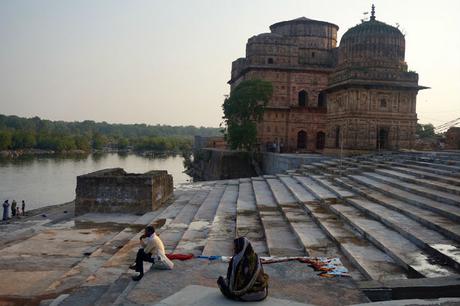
[116, 191]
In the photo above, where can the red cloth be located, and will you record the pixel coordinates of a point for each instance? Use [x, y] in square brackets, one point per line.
[173, 256]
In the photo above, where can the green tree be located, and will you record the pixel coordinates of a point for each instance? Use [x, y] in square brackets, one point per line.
[5, 140]
[242, 110]
[425, 130]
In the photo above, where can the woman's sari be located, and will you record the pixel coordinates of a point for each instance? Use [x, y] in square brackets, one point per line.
[246, 280]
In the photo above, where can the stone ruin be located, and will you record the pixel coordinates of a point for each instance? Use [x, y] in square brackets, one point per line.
[116, 191]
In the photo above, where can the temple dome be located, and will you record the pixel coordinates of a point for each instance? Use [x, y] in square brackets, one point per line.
[372, 43]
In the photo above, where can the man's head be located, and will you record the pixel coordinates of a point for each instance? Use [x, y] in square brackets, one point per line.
[149, 231]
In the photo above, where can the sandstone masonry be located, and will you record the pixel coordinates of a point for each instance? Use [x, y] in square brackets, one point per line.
[355, 96]
[115, 191]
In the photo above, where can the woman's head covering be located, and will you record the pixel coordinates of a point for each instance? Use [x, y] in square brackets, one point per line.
[245, 266]
[149, 230]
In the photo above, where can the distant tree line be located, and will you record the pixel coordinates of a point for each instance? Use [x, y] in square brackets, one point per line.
[18, 133]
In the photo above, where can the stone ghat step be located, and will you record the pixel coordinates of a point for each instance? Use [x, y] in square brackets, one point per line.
[194, 238]
[445, 187]
[404, 252]
[172, 234]
[309, 235]
[120, 261]
[314, 188]
[219, 240]
[445, 250]
[446, 210]
[104, 286]
[428, 175]
[424, 191]
[432, 220]
[248, 222]
[434, 165]
[421, 168]
[281, 241]
[393, 242]
[369, 260]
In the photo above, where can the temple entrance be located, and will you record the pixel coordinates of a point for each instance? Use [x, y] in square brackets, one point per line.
[320, 140]
[302, 140]
[382, 139]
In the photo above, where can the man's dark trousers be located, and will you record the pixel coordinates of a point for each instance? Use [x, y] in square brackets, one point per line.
[140, 258]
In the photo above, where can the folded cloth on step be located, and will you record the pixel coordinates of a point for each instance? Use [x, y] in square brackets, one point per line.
[178, 256]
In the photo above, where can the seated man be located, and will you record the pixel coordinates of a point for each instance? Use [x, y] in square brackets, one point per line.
[246, 280]
[152, 250]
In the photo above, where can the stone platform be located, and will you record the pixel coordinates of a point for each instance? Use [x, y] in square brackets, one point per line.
[393, 219]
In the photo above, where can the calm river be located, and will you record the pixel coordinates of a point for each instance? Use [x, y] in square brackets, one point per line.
[43, 181]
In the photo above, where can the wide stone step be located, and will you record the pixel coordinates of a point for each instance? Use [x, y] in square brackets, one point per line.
[172, 234]
[369, 260]
[446, 210]
[445, 187]
[424, 191]
[281, 241]
[313, 238]
[435, 165]
[314, 188]
[248, 223]
[432, 220]
[194, 238]
[432, 242]
[426, 169]
[428, 175]
[404, 252]
[118, 264]
[337, 190]
[222, 233]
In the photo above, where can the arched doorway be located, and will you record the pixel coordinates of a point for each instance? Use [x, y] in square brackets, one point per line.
[322, 100]
[302, 140]
[382, 139]
[337, 137]
[303, 98]
[320, 140]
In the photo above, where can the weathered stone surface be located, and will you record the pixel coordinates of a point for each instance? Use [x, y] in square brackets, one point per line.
[114, 190]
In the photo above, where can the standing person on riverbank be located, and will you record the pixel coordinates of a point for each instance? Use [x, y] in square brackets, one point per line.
[13, 208]
[23, 208]
[6, 205]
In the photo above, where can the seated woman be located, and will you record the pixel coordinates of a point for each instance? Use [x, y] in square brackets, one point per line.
[246, 280]
[152, 250]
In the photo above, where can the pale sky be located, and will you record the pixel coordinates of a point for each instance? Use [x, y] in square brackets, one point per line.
[168, 62]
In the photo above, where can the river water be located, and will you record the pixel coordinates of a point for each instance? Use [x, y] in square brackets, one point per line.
[43, 181]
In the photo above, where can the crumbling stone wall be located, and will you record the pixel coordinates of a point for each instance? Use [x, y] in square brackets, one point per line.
[115, 191]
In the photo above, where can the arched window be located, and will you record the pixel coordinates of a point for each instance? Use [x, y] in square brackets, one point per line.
[302, 140]
[303, 98]
[270, 60]
[383, 103]
[337, 137]
[312, 54]
[322, 100]
[320, 140]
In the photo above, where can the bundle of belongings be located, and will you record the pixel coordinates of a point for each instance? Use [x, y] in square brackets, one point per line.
[246, 280]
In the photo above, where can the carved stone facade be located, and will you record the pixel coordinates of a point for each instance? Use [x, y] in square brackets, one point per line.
[358, 96]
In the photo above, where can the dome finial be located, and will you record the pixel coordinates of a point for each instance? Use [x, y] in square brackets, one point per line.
[373, 12]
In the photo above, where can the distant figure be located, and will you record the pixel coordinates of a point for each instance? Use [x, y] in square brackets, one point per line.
[13, 208]
[152, 250]
[18, 212]
[246, 280]
[23, 208]
[6, 205]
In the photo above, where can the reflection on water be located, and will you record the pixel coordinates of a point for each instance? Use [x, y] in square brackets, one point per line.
[48, 180]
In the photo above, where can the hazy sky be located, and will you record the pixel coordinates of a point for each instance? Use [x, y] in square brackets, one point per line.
[168, 62]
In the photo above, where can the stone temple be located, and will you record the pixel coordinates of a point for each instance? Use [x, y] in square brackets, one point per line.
[355, 96]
